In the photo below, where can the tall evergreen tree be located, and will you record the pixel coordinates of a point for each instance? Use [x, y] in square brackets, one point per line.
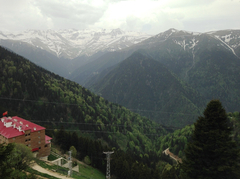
[212, 153]
[5, 154]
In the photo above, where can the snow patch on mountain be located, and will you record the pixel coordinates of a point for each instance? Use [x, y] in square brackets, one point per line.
[229, 37]
[187, 44]
[194, 43]
[226, 45]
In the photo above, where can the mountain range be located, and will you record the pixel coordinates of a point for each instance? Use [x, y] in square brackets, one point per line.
[72, 43]
[176, 49]
[65, 50]
[204, 65]
[206, 62]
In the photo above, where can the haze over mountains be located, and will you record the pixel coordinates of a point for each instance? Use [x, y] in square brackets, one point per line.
[183, 69]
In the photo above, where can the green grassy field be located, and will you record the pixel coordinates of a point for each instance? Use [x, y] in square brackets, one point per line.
[89, 172]
[85, 172]
[30, 170]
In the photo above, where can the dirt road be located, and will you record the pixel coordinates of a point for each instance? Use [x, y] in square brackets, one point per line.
[174, 157]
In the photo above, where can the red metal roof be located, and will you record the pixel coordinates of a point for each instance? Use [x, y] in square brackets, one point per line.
[47, 139]
[35, 149]
[16, 123]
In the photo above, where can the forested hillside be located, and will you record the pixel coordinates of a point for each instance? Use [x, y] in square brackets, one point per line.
[64, 107]
[50, 100]
[145, 86]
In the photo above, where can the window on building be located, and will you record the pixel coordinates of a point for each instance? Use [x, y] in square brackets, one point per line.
[13, 138]
[25, 134]
[29, 134]
[39, 142]
[46, 145]
[39, 147]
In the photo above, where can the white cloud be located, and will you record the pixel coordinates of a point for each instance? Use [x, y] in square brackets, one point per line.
[21, 15]
[137, 15]
[72, 14]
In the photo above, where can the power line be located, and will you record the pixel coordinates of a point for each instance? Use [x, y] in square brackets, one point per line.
[72, 104]
[35, 101]
[108, 124]
[89, 131]
[151, 111]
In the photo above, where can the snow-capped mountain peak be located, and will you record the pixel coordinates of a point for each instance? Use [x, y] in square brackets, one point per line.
[72, 43]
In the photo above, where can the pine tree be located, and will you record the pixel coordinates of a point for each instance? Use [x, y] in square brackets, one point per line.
[211, 153]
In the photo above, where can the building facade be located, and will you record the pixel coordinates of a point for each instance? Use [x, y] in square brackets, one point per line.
[18, 130]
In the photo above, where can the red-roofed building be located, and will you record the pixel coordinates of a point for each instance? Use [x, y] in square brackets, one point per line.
[18, 130]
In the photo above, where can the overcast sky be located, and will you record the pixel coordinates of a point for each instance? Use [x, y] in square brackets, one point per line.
[149, 16]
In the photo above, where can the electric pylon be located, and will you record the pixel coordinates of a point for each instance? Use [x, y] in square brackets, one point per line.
[70, 163]
[108, 164]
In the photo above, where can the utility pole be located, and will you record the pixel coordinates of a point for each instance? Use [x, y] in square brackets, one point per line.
[70, 164]
[108, 164]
